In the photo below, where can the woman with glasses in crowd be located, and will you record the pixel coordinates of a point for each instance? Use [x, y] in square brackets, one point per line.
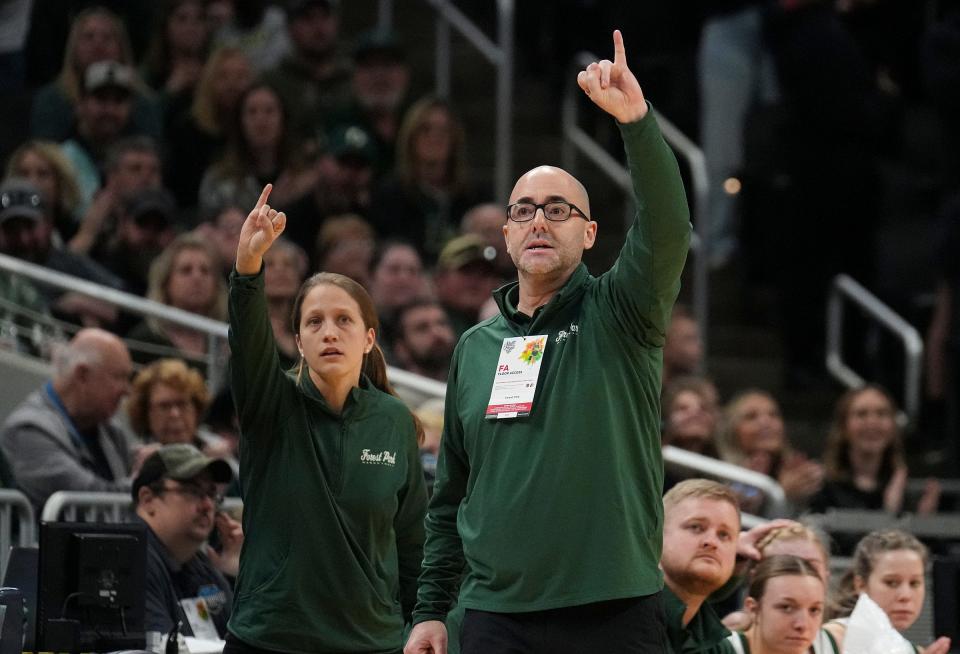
[167, 402]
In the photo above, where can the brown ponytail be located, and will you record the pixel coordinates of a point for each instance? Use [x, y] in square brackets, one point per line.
[375, 368]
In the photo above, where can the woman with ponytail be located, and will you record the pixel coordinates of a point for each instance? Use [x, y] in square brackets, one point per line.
[890, 567]
[334, 495]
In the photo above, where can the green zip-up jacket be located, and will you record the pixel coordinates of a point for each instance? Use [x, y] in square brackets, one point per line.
[563, 507]
[333, 504]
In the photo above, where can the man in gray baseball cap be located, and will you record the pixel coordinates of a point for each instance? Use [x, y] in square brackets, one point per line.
[177, 494]
[21, 220]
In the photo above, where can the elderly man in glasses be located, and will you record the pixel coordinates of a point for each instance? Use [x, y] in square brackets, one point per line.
[546, 519]
[177, 494]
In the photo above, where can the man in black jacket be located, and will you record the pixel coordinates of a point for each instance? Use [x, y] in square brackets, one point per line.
[177, 494]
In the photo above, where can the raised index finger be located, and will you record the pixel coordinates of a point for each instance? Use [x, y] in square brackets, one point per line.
[263, 196]
[619, 53]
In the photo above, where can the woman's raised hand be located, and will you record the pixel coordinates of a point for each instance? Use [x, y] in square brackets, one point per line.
[261, 228]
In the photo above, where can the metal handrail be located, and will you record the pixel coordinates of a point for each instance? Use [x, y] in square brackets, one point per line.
[214, 329]
[420, 384]
[500, 54]
[115, 507]
[776, 505]
[95, 507]
[13, 500]
[860, 521]
[947, 486]
[845, 287]
[576, 139]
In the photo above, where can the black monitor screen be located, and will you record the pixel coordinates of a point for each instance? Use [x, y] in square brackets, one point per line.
[91, 586]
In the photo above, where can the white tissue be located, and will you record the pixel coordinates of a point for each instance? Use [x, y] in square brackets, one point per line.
[869, 631]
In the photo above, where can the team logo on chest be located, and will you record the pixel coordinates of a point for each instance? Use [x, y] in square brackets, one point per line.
[384, 458]
[563, 334]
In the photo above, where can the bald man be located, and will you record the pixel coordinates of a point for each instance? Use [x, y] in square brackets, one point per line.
[547, 500]
[60, 437]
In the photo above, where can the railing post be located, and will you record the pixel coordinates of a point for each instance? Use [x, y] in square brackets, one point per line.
[845, 287]
[6, 527]
[504, 162]
[215, 373]
[568, 122]
[442, 59]
[385, 15]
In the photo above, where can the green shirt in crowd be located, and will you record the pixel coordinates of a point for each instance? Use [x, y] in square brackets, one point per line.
[333, 504]
[705, 634]
[563, 507]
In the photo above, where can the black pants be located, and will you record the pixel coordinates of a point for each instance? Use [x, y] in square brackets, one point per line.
[236, 646]
[627, 626]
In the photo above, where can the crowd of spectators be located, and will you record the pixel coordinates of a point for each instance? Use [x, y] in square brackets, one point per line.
[142, 167]
[140, 164]
[137, 173]
[862, 464]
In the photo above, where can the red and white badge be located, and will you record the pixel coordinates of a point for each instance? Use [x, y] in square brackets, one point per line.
[515, 381]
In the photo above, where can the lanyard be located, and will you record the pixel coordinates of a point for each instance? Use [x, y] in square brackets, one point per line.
[78, 440]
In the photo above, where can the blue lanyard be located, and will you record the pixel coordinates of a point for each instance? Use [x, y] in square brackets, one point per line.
[78, 440]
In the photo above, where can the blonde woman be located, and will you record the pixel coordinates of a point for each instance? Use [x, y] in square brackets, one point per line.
[197, 139]
[44, 165]
[185, 276]
[753, 435]
[428, 193]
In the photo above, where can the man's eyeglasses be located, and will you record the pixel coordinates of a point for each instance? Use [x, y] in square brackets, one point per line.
[197, 493]
[557, 211]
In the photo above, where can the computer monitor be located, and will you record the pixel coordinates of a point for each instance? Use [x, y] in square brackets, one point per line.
[91, 587]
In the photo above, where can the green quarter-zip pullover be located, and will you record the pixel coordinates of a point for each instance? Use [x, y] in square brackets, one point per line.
[333, 504]
[563, 507]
